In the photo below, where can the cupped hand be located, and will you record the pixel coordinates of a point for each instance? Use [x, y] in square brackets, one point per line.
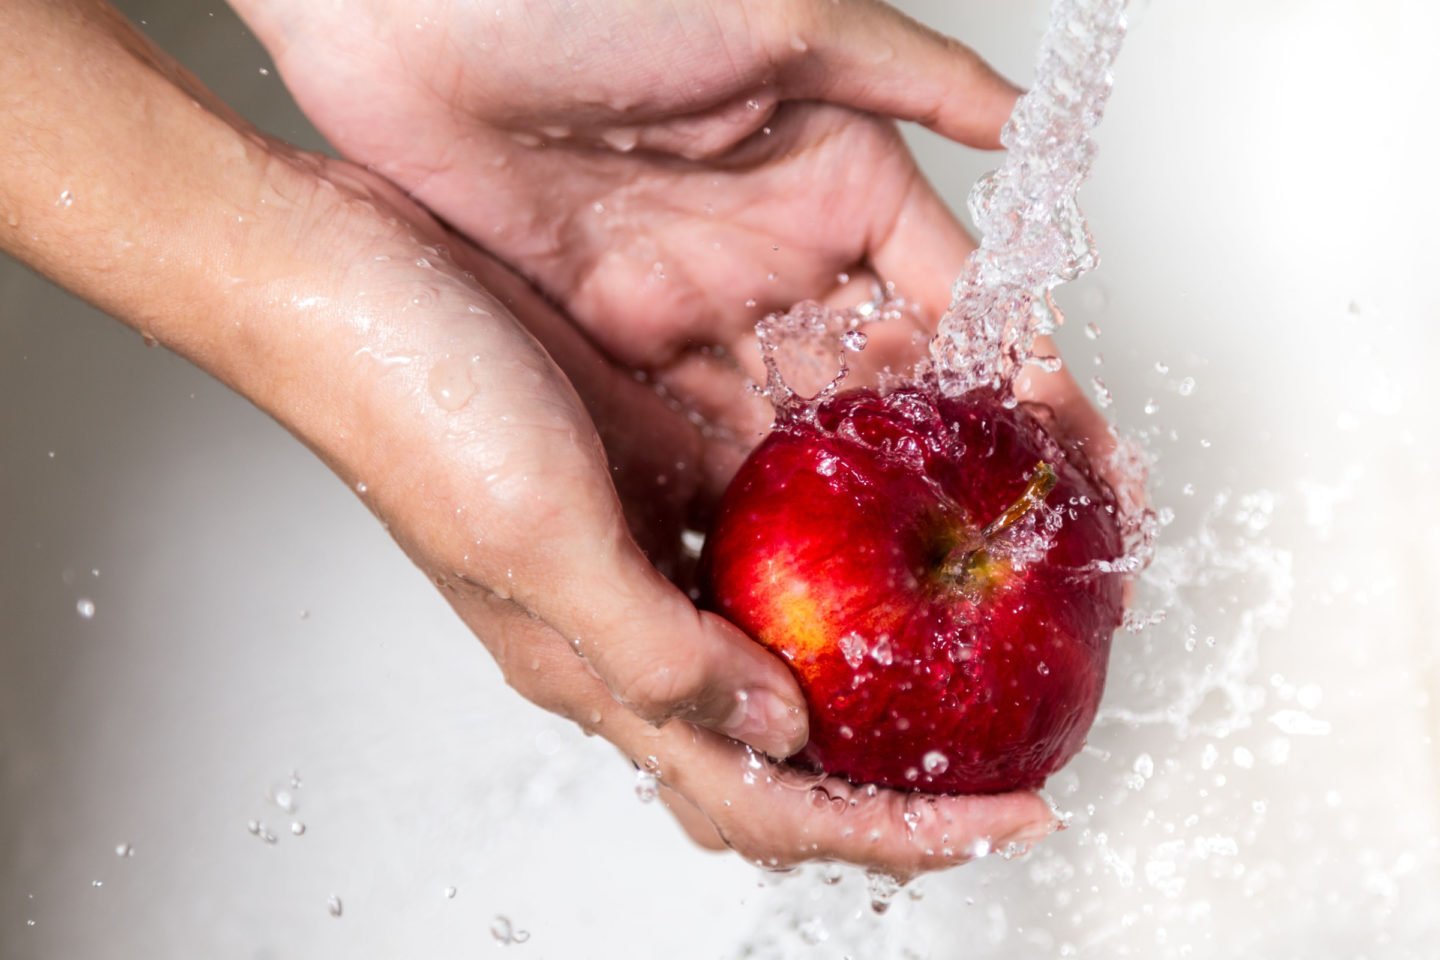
[669, 173]
[509, 480]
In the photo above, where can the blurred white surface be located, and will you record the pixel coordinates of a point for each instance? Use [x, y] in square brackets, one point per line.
[1264, 201]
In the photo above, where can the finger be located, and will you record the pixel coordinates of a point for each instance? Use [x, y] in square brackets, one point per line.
[585, 575]
[777, 817]
[769, 813]
[868, 55]
[922, 249]
[660, 656]
[1079, 420]
[695, 824]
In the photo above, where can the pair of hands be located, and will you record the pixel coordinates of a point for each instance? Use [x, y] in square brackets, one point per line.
[665, 174]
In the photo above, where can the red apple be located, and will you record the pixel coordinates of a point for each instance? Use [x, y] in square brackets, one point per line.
[926, 566]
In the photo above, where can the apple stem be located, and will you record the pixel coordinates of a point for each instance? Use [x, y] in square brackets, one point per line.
[1042, 481]
[966, 559]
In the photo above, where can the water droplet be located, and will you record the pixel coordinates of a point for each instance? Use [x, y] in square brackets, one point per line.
[813, 931]
[264, 71]
[85, 607]
[1145, 766]
[124, 850]
[647, 788]
[335, 905]
[935, 762]
[693, 541]
[450, 893]
[852, 648]
[621, 139]
[1103, 396]
[1042, 668]
[362, 488]
[752, 104]
[853, 340]
[882, 889]
[1162, 367]
[97, 884]
[1151, 407]
[66, 199]
[505, 932]
[257, 828]
[297, 828]
[1185, 387]
[750, 302]
[1092, 330]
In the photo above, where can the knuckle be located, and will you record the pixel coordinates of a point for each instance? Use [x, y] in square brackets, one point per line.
[663, 687]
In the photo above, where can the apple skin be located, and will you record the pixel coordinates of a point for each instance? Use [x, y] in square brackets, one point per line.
[848, 546]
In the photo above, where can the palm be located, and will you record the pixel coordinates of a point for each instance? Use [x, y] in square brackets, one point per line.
[668, 265]
[653, 254]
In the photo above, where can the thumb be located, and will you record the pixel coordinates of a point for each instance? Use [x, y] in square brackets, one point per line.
[582, 572]
[659, 655]
[868, 55]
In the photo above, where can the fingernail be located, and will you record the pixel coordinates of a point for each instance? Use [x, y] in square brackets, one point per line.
[765, 721]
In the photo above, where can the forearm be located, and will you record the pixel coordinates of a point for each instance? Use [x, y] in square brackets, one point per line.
[125, 182]
[116, 182]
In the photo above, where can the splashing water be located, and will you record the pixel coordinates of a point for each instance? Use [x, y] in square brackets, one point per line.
[1033, 236]
[807, 351]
